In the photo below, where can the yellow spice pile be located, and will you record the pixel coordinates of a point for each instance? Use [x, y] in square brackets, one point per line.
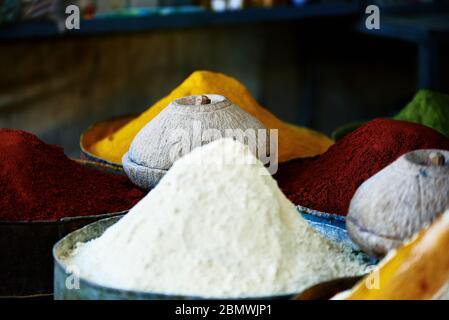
[294, 142]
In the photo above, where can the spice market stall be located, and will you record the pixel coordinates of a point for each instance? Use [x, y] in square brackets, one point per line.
[191, 160]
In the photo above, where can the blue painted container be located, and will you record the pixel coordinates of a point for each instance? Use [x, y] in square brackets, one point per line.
[331, 225]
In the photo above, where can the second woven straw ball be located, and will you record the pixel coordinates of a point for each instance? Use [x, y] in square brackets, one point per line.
[391, 206]
[185, 124]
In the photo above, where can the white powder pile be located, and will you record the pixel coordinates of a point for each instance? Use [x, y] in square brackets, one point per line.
[214, 229]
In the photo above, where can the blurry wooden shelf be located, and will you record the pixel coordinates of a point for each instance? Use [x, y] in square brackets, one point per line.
[427, 30]
[160, 21]
[411, 27]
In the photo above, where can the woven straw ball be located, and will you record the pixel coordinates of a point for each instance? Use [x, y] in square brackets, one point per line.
[391, 206]
[185, 124]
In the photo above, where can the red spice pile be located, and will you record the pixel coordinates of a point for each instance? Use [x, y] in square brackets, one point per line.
[327, 183]
[39, 182]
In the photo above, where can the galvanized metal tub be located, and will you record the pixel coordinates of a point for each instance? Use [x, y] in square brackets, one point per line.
[88, 290]
[323, 217]
[98, 131]
[26, 264]
[333, 227]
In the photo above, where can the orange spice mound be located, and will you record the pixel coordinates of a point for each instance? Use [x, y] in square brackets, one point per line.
[294, 142]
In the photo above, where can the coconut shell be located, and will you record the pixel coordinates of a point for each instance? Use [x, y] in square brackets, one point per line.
[391, 206]
[417, 270]
[187, 123]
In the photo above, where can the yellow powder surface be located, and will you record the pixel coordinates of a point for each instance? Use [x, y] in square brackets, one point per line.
[294, 142]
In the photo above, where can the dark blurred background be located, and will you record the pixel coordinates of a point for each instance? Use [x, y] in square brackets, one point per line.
[312, 63]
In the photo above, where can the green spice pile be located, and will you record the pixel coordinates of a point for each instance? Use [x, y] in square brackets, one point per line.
[428, 108]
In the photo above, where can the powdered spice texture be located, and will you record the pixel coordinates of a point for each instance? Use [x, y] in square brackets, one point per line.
[327, 183]
[216, 225]
[430, 109]
[294, 141]
[39, 182]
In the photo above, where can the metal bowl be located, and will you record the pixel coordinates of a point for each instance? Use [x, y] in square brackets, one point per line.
[25, 253]
[102, 166]
[88, 290]
[26, 269]
[98, 131]
[323, 217]
[333, 227]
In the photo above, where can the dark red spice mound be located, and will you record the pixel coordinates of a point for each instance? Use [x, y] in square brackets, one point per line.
[327, 182]
[39, 182]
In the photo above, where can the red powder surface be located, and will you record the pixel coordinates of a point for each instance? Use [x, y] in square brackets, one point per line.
[327, 183]
[39, 182]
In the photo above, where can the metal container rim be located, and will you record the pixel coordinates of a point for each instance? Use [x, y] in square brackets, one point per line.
[60, 264]
[323, 215]
[93, 157]
[63, 220]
